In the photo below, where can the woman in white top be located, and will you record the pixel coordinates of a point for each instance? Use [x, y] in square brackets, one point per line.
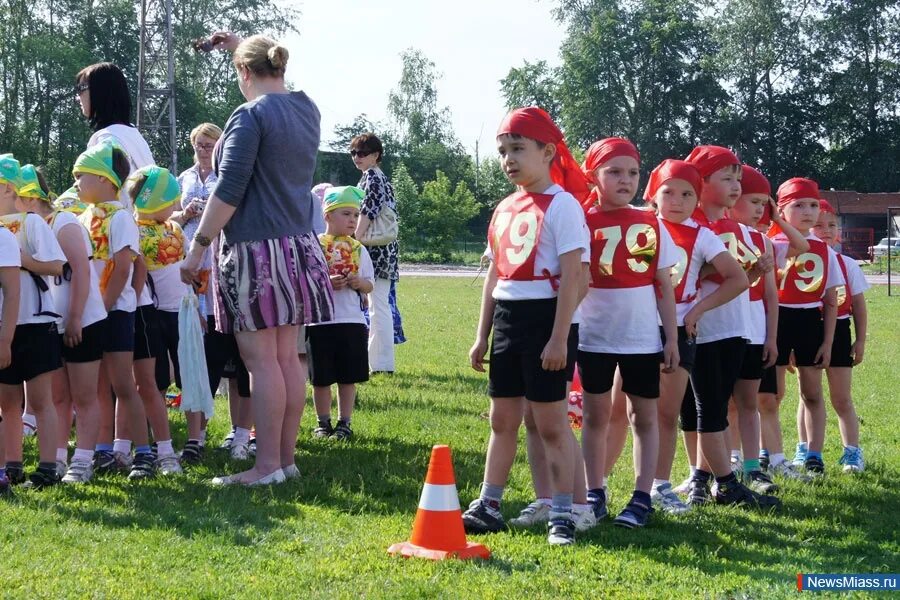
[106, 102]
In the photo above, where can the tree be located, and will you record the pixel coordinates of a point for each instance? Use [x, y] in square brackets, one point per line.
[413, 107]
[532, 84]
[406, 193]
[444, 212]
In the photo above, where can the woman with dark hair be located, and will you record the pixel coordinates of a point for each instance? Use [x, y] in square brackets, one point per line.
[106, 102]
[367, 151]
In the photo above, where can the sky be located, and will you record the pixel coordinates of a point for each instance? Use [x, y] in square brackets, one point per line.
[347, 55]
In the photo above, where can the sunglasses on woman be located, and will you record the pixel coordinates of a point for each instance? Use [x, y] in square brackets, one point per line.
[82, 87]
[359, 153]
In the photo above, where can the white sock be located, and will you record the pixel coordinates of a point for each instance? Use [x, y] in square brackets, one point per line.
[659, 482]
[241, 436]
[736, 455]
[202, 439]
[123, 446]
[776, 459]
[62, 454]
[164, 448]
[82, 455]
[605, 481]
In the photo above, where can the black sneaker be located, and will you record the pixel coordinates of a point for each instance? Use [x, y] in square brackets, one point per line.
[814, 465]
[143, 466]
[633, 515]
[226, 443]
[761, 483]
[342, 431]
[481, 518]
[323, 430]
[561, 532]
[192, 453]
[105, 462]
[738, 494]
[698, 492]
[16, 475]
[764, 462]
[5, 486]
[598, 505]
[42, 478]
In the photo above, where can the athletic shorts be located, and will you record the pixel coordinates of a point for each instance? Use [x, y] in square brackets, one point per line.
[801, 331]
[640, 372]
[337, 353]
[687, 348]
[223, 359]
[35, 350]
[716, 371]
[168, 350]
[689, 409]
[842, 346]
[147, 342]
[752, 365]
[119, 331]
[522, 329]
[572, 353]
[769, 382]
[91, 347]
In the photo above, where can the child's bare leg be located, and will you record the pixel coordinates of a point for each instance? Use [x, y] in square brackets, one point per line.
[595, 425]
[642, 416]
[839, 384]
[11, 397]
[617, 433]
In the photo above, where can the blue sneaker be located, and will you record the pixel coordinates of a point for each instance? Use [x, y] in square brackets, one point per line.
[852, 460]
[800, 455]
[634, 515]
[598, 504]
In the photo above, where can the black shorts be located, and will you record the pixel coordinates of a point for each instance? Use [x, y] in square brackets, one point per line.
[715, 373]
[522, 329]
[91, 347]
[337, 353]
[147, 343]
[119, 331]
[640, 372]
[223, 359]
[752, 365]
[572, 353]
[689, 409]
[35, 349]
[801, 331]
[687, 348]
[769, 382]
[168, 350]
[842, 346]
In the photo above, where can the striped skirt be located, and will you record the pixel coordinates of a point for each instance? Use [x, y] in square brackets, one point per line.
[269, 283]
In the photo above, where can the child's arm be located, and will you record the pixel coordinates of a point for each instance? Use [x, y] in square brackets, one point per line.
[860, 325]
[798, 243]
[485, 320]
[139, 277]
[72, 244]
[359, 284]
[665, 305]
[770, 300]
[571, 282]
[9, 282]
[829, 319]
[119, 276]
[42, 267]
[215, 217]
[733, 284]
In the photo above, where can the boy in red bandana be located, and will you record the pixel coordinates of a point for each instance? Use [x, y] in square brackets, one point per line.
[538, 248]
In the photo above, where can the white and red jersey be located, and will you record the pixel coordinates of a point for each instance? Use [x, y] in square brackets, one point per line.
[695, 245]
[855, 284]
[730, 319]
[804, 279]
[619, 314]
[757, 314]
[527, 235]
[758, 287]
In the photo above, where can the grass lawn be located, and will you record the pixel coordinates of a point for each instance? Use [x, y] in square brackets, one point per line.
[326, 534]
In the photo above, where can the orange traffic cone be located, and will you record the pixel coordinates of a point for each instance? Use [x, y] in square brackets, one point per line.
[438, 529]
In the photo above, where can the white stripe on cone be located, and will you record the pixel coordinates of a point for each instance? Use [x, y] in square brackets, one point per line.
[439, 497]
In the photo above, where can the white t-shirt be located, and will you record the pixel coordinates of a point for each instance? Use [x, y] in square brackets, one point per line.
[347, 307]
[856, 279]
[563, 230]
[625, 320]
[60, 288]
[123, 233]
[730, 319]
[707, 246]
[835, 275]
[168, 287]
[10, 255]
[133, 143]
[37, 239]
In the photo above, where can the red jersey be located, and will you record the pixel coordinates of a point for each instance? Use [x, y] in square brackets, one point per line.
[738, 245]
[803, 279]
[685, 238]
[758, 287]
[624, 247]
[514, 234]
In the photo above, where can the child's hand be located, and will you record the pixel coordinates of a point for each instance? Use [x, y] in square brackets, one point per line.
[225, 40]
[770, 352]
[776, 216]
[823, 356]
[72, 337]
[553, 358]
[338, 282]
[476, 355]
[792, 364]
[765, 263]
[670, 356]
[5, 354]
[690, 322]
[857, 351]
[353, 281]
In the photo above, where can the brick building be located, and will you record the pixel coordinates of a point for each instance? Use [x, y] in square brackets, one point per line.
[863, 219]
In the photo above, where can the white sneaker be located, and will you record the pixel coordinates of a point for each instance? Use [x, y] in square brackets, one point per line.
[684, 487]
[290, 471]
[535, 513]
[789, 471]
[665, 498]
[123, 460]
[584, 518]
[240, 451]
[168, 465]
[79, 472]
[61, 468]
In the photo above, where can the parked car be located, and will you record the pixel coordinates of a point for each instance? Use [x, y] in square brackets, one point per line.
[881, 248]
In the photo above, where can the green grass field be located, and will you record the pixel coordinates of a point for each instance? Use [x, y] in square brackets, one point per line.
[326, 535]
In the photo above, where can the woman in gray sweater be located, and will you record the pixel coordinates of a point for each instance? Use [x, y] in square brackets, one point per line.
[269, 276]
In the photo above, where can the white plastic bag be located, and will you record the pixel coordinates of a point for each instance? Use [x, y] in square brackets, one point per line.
[195, 394]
